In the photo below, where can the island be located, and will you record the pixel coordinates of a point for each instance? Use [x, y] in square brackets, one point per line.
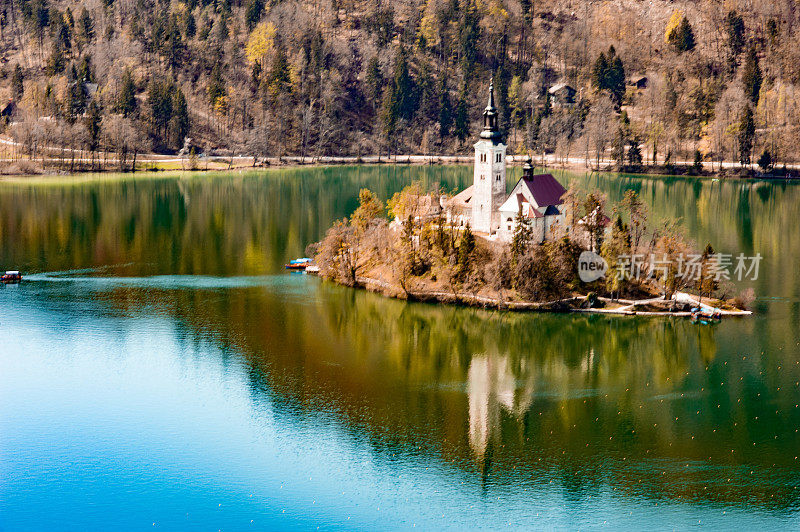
[542, 247]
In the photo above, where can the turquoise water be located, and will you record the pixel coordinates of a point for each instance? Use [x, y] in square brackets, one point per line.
[160, 370]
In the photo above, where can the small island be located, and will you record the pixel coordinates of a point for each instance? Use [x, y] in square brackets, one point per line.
[526, 250]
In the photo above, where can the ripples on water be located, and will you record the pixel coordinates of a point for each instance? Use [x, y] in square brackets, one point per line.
[167, 371]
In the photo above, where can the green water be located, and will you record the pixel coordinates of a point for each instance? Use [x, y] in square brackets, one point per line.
[160, 367]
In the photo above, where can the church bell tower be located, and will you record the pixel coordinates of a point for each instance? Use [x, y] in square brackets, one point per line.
[489, 179]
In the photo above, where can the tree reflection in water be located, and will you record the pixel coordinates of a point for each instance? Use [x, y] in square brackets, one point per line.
[657, 408]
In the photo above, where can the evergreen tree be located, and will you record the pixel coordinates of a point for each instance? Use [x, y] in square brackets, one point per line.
[405, 98]
[707, 283]
[634, 153]
[445, 110]
[216, 85]
[159, 99]
[608, 74]
[617, 246]
[374, 81]
[17, 85]
[189, 25]
[85, 73]
[765, 161]
[179, 121]
[279, 79]
[682, 37]
[388, 115]
[255, 8]
[752, 77]
[56, 63]
[734, 26]
[599, 71]
[461, 121]
[746, 137]
[616, 78]
[75, 101]
[126, 98]
[429, 103]
[173, 46]
[465, 253]
[468, 34]
[521, 238]
[93, 119]
[84, 29]
[501, 81]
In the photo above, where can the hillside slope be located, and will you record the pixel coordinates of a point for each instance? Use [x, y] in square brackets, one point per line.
[715, 80]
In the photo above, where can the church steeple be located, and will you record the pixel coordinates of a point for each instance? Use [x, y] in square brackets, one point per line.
[527, 168]
[490, 129]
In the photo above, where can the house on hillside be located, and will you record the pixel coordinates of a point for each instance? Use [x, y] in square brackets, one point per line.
[638, 83]
[562, 94]
[487, 208]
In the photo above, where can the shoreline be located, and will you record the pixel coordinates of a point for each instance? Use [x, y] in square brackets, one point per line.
[154, 164]
[561, 306]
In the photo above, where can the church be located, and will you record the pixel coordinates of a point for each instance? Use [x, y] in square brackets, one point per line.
[487, 208]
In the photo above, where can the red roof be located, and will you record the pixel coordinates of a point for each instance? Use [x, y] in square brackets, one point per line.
[546, 190]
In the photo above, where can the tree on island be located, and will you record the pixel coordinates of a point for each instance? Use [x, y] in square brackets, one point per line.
[522, 237]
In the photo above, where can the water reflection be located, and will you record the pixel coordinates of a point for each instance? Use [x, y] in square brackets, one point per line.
[658, 409]
[651, 409]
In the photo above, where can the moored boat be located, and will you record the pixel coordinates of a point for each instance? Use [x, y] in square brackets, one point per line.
[11, 276]
[705, 316]
[298, 264]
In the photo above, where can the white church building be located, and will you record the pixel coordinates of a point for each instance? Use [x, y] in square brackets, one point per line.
[487, 208]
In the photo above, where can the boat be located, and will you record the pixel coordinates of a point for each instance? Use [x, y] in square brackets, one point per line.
[312, 269]
[705, 316]
[298, 264]
[11, 276]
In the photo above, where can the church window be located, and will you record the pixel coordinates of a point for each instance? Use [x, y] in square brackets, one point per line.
[499, 157]
[483, 177]
[497, 178]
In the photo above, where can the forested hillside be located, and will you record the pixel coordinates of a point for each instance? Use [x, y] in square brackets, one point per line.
[713, 80]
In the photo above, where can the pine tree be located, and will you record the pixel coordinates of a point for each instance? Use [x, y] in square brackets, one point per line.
[179, 122]
[461, 121]
[608, 74]
[464, 253]
[279, 79]
[468, 35]
[388, 116]
[618, 245]
[522, 237]
[216, 85]
[126, 99]
[752, 77]
[682, 37]
[56, 63]
[405, 98]
[255, 8]
[93, 118]
[599, 72]
[445, 110]
[746, 137]
[17, 85]
[707, 283]
[734, 25]
[374, 81]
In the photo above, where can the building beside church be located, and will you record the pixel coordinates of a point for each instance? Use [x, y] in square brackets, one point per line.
[487, 208]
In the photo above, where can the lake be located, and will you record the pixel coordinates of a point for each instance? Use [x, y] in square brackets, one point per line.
[159, 369]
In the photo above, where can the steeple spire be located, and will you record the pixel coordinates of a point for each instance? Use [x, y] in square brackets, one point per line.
[490, 105]
[490, 129]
